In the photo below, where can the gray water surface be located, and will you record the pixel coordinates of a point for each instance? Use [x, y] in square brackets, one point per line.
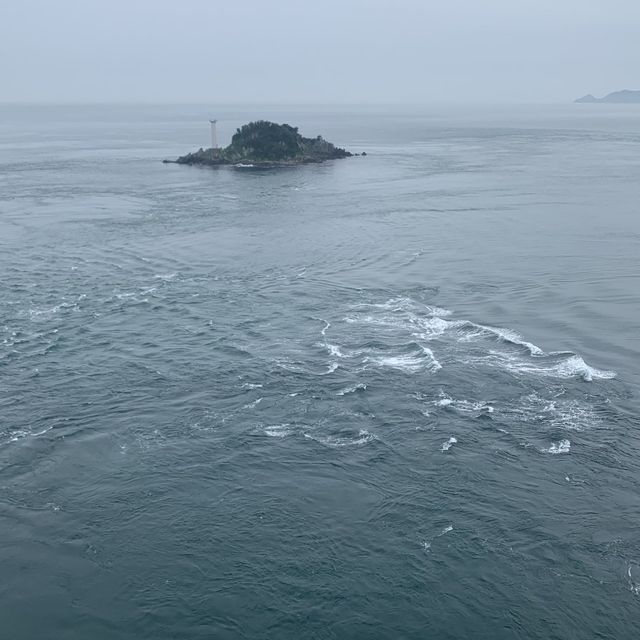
[394, 396]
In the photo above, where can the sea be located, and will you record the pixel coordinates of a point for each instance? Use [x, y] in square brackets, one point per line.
[390, 396]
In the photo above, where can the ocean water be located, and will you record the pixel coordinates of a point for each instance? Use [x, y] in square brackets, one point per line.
[394, 396]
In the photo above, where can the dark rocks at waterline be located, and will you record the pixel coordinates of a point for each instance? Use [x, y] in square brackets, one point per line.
[267, 144]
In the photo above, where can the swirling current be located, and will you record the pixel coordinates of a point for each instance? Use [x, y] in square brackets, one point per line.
[393, 396]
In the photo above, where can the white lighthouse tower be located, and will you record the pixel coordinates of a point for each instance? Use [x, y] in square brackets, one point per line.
[214, 134]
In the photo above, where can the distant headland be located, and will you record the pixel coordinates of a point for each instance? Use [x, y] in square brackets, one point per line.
[617, 97]
[265, 144]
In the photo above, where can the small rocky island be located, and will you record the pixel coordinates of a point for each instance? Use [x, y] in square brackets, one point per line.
[266, 144]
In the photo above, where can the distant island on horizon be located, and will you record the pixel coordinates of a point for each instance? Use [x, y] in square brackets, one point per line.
[265, 144]
[625, 96]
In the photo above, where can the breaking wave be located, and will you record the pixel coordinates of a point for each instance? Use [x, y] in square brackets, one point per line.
[434, 330]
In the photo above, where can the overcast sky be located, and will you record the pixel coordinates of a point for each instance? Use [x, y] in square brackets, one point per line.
[354, 51]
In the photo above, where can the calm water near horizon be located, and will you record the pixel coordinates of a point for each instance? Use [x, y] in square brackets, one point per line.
[393, 396]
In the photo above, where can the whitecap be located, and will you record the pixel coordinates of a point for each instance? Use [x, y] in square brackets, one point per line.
[635, 588]
[470, 407]
[403, 363]
[408, 305]
[278, 430]
[26, 433]
[409, 362]
[334, 350]
[357, 387]
[571, 367]
[364, 437]
[576, 366]
[435, 365]
[253, 404]
[507, 335]
[561, 447]
[446, 529]
[432, 327]
[439, 312]
[36, 313]
[448, 444]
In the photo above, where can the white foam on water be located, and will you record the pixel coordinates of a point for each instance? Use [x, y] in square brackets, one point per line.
[435, 365]
[21, 434]
[576, 366]
[394, 304]
[572, 415]
[448, 444]
[432, 327]
[470, 407]
[409, 363]
[332, 367]
[559, 413]
[635, 588]
[364, 437]
[287, 365]
[335, 351]
[507, 335]
[425, 323]
[439, 312]
[572, 367]
[561, 447]
[403, 363]
[462, 405]
[408, 305]
[278, 430]
[357, 387]
[253, 404]
[324, 329]
[49, 311]
[251, 385]
[426, 544]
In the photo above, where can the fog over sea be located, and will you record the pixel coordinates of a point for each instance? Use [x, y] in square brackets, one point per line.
[392, 396]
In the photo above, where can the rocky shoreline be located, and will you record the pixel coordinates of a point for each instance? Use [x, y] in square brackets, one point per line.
[266, 145]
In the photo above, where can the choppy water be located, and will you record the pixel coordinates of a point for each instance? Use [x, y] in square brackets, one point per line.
[392, 396]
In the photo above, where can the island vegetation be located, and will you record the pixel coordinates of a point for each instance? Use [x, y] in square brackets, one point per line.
[267, 144]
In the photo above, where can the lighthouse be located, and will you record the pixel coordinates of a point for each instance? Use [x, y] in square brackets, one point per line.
[214, 134]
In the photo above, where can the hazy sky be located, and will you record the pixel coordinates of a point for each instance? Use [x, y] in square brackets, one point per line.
[321, 51]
